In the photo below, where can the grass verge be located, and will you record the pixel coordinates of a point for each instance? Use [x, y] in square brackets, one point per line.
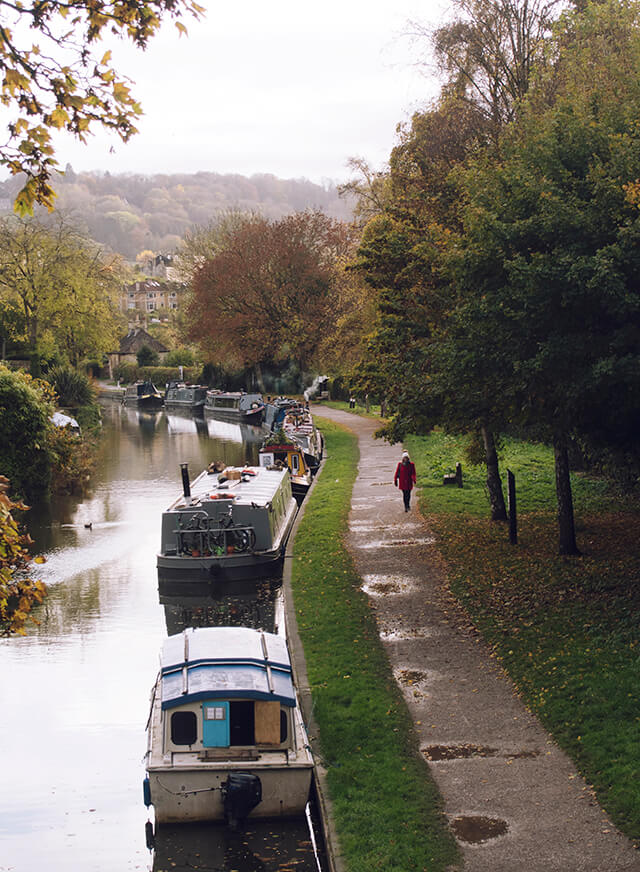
[387, 810]
[566, 629]
[359, 409]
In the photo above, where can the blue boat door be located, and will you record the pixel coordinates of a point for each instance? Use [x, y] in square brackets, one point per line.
[215, 724]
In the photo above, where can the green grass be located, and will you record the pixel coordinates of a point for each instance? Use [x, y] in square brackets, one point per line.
[566, 629]
[374, 409]
[387, 810]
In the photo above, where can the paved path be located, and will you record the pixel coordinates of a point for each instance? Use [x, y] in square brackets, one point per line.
[514, 800]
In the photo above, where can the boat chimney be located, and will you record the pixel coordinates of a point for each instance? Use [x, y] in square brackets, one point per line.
[184, 468]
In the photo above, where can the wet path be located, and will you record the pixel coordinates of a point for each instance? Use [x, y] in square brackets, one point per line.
[513, 799]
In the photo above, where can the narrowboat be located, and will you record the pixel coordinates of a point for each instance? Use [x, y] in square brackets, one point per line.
[289, 455]
[144, 395]
[229, 523]
[226, 739]
[299, 427]
[184, 396]
[235, 406]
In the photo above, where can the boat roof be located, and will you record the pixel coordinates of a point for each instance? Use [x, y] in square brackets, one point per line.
[225, 663]
[257, 486]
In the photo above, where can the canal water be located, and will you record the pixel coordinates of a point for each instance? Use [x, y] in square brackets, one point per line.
[74, 692]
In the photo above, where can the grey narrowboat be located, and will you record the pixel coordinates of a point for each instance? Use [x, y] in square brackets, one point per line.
[228, 524]
[235, 406]
[184, 396]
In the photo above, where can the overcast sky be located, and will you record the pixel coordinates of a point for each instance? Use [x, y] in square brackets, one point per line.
[284, 87]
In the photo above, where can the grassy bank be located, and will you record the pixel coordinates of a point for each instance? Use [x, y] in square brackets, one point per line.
[566, 629]
[387, 810]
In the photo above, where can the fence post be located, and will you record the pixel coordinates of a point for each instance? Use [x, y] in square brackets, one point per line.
[513, 515]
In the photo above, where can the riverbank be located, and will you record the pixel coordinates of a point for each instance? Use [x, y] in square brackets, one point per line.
[511, 796]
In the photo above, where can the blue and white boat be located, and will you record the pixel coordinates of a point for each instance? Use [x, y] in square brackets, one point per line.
[226, 736]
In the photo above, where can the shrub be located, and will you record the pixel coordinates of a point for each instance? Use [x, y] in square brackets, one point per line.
[126, 372]
[72, 461]
[180, 357]
[17, 592]
[147, 357]
[73, 388]
[160, 375]
[25, 408]
[89, 418]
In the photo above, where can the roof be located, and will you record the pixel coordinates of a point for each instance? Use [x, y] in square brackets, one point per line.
[225, 663]
[257, 487]
[136, 338]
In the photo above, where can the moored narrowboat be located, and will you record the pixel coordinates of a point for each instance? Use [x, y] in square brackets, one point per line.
[289, 455]
[229, 524]
[235, 406]
[226, 739]
[144, 395]
[185, 396]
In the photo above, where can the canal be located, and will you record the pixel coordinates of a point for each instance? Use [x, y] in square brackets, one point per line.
[74, 691]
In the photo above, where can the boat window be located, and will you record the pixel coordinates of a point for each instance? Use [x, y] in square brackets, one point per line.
[295, 463]
[242, 724]
[184, 728]
[284, 732]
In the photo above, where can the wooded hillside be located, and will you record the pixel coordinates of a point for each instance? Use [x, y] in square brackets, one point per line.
[131, 213]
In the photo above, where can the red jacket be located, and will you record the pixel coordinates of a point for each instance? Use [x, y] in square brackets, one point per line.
[405, 475]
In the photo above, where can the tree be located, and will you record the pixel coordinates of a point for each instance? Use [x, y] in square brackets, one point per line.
[62, 82]
[66, 289]
[147, 356]
[487, 53]
[270, 292]
[548, 270]
[402, 254]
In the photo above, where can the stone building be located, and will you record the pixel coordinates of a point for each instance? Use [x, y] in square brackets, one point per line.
[131, 344]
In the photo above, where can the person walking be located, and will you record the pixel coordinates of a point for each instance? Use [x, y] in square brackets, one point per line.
[405, 478]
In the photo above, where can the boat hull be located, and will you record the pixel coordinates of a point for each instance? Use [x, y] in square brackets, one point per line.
[194, 794]
[144, 402]
[237, 416]
[228, 567]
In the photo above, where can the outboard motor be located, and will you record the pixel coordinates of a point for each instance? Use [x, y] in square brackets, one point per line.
[241, 793]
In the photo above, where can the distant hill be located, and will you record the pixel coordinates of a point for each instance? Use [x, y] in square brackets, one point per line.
[130, 212]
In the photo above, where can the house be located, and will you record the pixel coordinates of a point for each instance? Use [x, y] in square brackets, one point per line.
[131, 344]
[149, 296]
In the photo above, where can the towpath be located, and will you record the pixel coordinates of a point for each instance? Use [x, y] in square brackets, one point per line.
[513, 799]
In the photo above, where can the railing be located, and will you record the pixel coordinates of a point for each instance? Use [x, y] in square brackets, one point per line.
[203, 536]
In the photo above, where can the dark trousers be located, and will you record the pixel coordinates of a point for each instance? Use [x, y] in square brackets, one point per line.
[406, 496]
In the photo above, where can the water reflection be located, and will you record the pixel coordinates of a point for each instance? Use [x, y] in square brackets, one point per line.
[74, 694]
[258, 848]
[258, 605]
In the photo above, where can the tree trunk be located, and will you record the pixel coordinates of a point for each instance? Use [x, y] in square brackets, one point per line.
[494, 484]
[258, 373]
[566, 528]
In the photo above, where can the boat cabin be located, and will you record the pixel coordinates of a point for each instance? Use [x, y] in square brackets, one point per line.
[226, 687]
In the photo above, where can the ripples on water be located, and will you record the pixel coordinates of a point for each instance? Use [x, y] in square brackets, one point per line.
[74, 692]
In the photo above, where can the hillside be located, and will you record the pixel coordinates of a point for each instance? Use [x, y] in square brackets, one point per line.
[130, 212]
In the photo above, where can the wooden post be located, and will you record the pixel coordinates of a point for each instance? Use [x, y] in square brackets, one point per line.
[459, 474]
[513, 515]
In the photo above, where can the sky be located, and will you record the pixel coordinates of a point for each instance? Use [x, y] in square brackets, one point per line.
[288, 88]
